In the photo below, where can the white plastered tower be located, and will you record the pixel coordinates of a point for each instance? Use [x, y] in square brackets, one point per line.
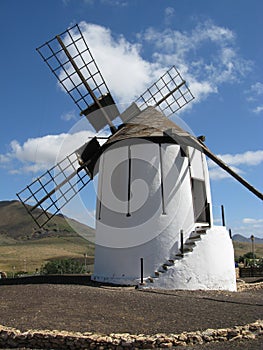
[154, 203]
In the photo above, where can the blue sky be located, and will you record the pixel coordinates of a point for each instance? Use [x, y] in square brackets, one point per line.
[216, 45]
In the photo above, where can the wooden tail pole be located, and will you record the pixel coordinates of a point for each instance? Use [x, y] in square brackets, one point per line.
[230, 171]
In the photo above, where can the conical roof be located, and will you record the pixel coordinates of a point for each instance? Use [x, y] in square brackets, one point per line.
[151, 123]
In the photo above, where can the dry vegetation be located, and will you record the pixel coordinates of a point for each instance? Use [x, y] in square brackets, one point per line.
[24, 247]
[31, 255]
[28, 248]
[242, 248]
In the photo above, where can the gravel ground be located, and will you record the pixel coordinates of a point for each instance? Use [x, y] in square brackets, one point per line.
[102, 309]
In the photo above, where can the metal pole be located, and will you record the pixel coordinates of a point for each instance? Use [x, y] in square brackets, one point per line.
[182, 241]
[223, 215]
[141, 270]
[85, 262]
[129, 181]
[253, 248]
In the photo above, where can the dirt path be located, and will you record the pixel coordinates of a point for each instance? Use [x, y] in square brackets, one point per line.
[118, 310]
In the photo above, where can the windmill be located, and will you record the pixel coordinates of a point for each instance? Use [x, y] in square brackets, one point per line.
[153, 199]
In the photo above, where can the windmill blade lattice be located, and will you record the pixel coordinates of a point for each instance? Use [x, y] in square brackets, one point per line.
[169, 93]
[70, 60]
[49, 193]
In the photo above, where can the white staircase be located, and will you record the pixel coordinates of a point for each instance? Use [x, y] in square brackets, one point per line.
[206, 261]
[188, 247]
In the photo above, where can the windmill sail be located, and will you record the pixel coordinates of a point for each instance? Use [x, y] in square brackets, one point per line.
[50, 192]
[70, 60]
[168, 94]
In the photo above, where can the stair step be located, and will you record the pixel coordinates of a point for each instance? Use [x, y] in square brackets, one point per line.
[187, 249]
[190, 243]
[200, 230]
[195, 237]
[165, 267]
[169, 262]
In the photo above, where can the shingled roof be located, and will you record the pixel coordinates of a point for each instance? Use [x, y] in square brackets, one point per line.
[151, 123]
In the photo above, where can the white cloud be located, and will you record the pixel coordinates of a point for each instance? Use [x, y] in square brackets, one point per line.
[220, 64]
[41, 153]
[217, 173]
[249, 158]
[71, 115]
[168, 15]
[251, 226]
[206, 57]
[4, 159]
[254, 95]
[125, 71]
[128, 74]
[121, 3]
[258, 109]
[246, 158]
[201, 89]
[184, 43]
[169, 11]
[252, 221]
[248, 229]
[257, 88]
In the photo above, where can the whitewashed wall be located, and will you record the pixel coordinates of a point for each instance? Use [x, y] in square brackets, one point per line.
[152, 230]
[210, 266]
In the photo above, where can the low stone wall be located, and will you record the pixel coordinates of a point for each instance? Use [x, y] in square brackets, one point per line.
[43, 339]
[242, 286]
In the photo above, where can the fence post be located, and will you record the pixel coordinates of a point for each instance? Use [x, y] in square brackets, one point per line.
[141, 270]
[223, 215]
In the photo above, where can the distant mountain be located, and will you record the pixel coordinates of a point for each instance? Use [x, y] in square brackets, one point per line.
[240, 238]
[16, 224]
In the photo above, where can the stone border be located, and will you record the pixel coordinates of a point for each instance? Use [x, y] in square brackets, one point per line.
[44, 339]
[243, 286]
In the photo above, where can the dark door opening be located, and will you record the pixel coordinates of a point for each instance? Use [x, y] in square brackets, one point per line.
[201, 207]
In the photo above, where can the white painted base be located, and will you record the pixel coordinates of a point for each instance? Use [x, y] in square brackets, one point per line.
[209, 267]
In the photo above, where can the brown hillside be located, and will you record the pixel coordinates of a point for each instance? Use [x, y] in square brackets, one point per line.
[16, 224]
[242, 248]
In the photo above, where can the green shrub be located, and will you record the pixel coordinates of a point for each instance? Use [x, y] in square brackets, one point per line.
[63, 266]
